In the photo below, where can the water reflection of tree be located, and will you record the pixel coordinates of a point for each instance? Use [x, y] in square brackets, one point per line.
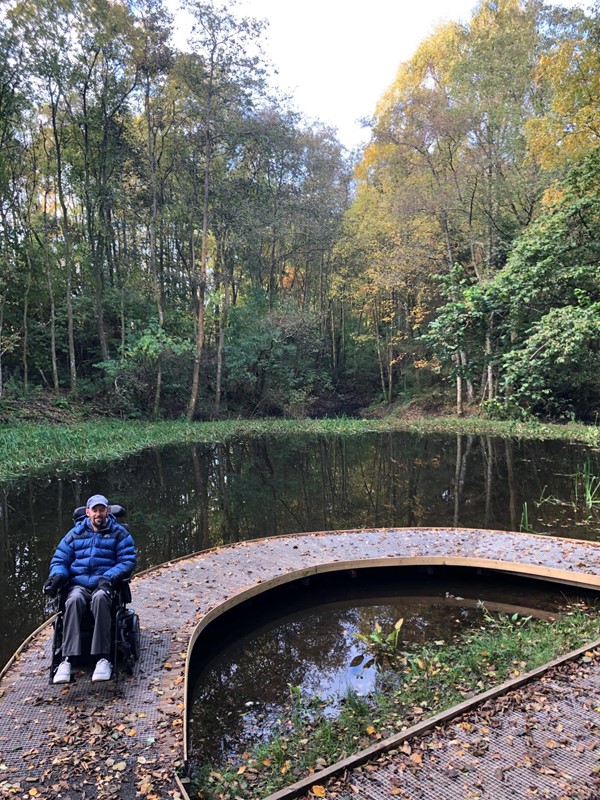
[22, 571]
[259, 671]
[184, 499]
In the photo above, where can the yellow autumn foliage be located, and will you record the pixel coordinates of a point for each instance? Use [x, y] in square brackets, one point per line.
[571, 128]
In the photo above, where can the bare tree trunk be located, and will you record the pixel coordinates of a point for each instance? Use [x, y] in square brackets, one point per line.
[459, 387]
[24, 359]
[1, 350]
[71, 332]
[470, 391]
[272, 265]
[334, 349]
[68, 249]
[379, 354]
[53, 359]
[191, 409]
[100, 310]
[122, 288]
[221, 344]
[152, 237]
[390, 372]
[488, 353]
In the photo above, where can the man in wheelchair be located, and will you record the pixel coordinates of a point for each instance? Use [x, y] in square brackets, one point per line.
[94, 557]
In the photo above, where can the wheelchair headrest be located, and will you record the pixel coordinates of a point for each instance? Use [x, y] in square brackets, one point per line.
[117, 511]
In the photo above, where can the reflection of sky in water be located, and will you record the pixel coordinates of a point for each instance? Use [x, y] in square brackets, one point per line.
[333, 682]
[245, 692]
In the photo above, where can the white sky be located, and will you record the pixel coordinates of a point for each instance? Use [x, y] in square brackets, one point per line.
[337, 57]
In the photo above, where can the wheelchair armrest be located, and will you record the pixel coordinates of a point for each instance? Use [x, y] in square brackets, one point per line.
[124, 591]
[56, 604]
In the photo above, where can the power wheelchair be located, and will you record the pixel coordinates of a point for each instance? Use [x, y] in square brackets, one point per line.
[125, 633]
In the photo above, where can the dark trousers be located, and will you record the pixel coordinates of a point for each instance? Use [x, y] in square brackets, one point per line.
[78, 600]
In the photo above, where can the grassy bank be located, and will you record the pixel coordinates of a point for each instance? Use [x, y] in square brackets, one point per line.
[414, 686]
[35, 448]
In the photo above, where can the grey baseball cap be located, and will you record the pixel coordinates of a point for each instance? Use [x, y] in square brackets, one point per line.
[97, 500]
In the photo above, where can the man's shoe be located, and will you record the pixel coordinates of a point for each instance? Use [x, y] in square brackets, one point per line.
[63, 672]
[103, 671]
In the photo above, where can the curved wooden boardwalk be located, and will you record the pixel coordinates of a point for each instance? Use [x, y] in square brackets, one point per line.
[82, 741]
[539, 740]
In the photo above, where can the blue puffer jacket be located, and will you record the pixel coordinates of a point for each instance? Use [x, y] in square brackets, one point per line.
[84, 556]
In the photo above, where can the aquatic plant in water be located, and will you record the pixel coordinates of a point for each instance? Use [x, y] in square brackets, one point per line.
[381, 645]
[590, 485]
[434, 677]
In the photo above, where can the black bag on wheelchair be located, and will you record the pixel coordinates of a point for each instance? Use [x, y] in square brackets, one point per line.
[125, 629]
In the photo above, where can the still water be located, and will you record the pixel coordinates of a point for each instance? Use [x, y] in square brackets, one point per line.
[184, 499]
[305, 636]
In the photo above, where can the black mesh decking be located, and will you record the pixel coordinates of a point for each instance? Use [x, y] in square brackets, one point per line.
[82, 741]
[539, 741]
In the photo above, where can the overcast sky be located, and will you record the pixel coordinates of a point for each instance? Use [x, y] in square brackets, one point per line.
[337, 57]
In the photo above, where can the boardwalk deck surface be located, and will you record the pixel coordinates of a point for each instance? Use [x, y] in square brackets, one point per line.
[82, 741]
[539, 741]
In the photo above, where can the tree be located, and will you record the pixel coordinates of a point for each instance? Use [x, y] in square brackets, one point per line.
[448, 182]
[548, 298]
[103, 79]
[225, 78]
[154, 59]
[569, 126]
[12, 107]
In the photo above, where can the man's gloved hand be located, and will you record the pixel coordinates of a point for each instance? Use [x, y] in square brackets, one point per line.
[105, 583]
[53, 584]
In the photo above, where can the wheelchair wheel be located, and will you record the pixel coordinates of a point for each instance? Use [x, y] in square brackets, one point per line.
[132, 623]
[56, 647]
[128, 638]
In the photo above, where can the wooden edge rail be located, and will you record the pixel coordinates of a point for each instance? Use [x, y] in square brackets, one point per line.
[328, 559]
[420, 728]
[552, 574]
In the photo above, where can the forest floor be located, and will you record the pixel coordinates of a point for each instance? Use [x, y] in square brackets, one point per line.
[44, 409]
[61, 409]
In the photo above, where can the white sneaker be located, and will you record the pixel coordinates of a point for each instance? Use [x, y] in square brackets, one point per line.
[103, 671]
[63, 672]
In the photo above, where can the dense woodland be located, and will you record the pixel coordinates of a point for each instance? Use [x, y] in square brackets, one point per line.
[176, 239]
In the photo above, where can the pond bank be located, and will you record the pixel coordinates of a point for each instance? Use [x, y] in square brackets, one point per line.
[32, 448]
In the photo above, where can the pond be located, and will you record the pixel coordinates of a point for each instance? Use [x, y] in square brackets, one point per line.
[184, 499]
[300, 641]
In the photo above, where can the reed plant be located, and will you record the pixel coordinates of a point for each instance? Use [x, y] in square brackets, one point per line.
[587, 487]
[586, 493]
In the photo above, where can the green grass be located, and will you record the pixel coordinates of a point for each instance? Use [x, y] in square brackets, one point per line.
[31, 448]
[419, 685]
